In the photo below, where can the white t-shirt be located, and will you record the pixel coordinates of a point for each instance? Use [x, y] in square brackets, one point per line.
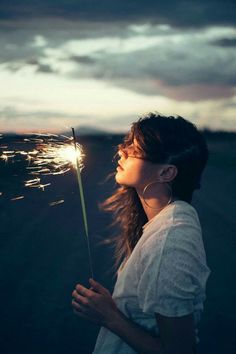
[166, 274]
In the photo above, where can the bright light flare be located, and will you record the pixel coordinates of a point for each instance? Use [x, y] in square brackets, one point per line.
[65, 154]
[52, 157]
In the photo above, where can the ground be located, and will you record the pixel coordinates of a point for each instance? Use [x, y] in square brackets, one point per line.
[43, 251]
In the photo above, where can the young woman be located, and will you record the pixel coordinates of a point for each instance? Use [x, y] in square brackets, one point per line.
[160, 289]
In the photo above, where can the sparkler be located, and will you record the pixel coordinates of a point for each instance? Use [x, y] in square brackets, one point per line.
[53, 155]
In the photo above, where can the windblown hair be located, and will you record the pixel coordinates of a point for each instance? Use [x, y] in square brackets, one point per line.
[170, 140]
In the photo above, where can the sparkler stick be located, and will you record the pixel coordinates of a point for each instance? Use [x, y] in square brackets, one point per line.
[82, 203]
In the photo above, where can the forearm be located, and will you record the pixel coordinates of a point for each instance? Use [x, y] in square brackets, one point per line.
[136, 337]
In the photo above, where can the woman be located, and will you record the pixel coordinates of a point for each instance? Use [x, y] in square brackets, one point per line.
[160, 289]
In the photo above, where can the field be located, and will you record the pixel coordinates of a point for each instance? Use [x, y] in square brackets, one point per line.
[43, 251]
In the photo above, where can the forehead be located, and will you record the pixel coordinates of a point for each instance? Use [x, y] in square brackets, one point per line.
[136, 145]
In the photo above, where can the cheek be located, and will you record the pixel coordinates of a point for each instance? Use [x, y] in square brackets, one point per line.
[133, 175]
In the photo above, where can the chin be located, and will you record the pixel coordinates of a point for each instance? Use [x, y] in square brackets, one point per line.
[119, 179]
[122, 181]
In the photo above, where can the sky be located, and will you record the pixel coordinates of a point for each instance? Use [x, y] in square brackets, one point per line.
[106, 63]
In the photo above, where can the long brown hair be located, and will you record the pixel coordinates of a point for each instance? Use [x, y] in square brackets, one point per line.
[161, 139]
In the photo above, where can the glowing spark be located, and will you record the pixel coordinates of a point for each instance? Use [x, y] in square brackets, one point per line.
[52, 155]
[42, 186]
[4, 157]
[18, 198]
[32, 183]
[56, 202]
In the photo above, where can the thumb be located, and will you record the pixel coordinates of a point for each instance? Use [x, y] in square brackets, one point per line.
[98, 287]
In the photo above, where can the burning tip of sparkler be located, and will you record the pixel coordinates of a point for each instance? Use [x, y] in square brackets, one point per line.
[51, 155]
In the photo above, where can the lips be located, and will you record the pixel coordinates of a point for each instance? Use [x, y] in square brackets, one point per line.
[120, 165]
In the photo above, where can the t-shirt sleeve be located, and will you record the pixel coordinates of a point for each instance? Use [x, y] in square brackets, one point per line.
[173, 277]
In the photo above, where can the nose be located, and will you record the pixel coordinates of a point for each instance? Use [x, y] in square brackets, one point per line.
[122, 153]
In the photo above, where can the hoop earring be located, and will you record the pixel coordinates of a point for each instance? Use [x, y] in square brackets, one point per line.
[150, 184]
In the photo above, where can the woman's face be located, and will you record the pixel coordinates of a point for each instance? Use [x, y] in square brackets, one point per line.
[132, 170]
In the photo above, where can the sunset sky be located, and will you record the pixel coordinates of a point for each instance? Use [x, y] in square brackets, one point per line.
[105, 63]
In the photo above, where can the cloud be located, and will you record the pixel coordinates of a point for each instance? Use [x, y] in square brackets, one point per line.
[145, 58]
[13, 119]
[82, 59]
[34, 63]
[180, 65]
[44, 68]
[195, 93]
[226, 42]
[148, 53]
[177, 13]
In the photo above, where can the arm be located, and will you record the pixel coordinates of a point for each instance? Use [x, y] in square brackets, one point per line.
[97, 305]
[177, 334]
[135, 336]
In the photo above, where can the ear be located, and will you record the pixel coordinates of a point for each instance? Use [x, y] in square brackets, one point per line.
[168, 173]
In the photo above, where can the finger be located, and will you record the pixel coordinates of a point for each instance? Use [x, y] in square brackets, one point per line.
[81, 308]
[86, 312]
[83, 290]
[76, 306]
[80, 299]
[88, 302]
[89, 294]
[98, 287]
[80, 289]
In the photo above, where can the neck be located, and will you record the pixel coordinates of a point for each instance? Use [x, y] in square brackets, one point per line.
[154, 206]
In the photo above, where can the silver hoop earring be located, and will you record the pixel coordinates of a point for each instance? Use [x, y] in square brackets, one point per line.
[150, 184]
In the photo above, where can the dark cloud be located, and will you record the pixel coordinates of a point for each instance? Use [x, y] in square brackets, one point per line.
[82, 59]
[41, 68]
[44, 68]
[15, 66]
[183, 64]
[19, 46]
[195, 93]
[225, 42]
[190, 70]
[179, 13]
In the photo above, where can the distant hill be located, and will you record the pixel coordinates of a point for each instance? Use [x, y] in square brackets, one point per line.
[87, 130]
[82, 130]
[218, 134]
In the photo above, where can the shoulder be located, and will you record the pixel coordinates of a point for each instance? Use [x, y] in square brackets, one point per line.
[177, 222]
[174, 237]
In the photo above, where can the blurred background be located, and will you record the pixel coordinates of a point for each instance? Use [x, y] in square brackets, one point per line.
[98, 66]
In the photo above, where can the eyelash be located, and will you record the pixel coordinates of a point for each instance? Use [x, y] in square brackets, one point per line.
[124, 149]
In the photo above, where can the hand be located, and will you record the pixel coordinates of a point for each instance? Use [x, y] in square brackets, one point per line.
[95, 304]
